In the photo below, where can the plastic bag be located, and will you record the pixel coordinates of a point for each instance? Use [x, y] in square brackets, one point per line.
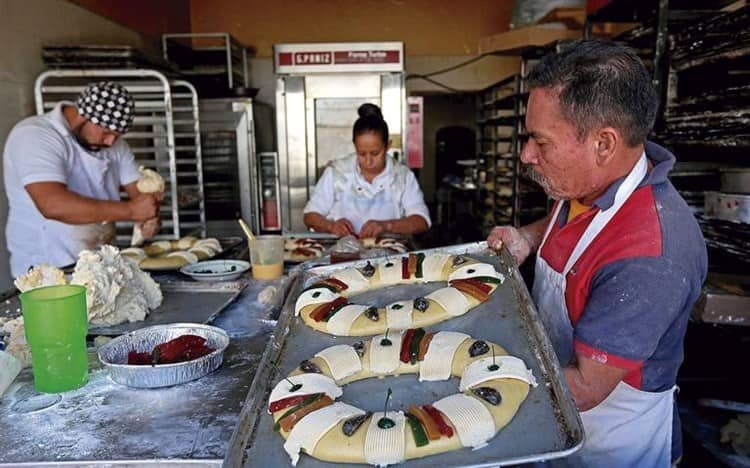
[346, 249]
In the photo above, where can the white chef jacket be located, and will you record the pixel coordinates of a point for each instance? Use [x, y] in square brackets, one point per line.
[343, 192]
[42, 149]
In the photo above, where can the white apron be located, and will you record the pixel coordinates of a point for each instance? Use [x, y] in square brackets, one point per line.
[90, 177]
[630, 427]
[359, 201]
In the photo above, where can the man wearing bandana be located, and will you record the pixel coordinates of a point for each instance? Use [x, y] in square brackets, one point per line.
[64, 171]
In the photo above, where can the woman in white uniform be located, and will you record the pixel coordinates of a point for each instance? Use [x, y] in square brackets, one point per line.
[368, 193]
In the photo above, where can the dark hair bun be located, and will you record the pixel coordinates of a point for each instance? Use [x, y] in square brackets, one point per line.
[370, 120]
[369, 110]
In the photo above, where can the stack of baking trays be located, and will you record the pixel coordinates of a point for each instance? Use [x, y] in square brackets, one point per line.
[101, 56]
[706, 120]
[545, 426]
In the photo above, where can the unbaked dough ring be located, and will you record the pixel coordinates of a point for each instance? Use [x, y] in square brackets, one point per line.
[444, 304]
[474, 420]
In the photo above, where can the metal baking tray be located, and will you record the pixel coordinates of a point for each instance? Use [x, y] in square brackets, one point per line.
[184, 301]
[508, 318]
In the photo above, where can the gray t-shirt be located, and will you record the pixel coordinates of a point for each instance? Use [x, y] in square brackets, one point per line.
[42, 149]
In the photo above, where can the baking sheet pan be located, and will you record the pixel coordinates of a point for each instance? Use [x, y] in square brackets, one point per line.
[508, 318]
[184, 301]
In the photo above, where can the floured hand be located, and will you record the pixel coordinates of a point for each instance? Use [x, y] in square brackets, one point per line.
[372, 228]
[342, 227]
[513, 239]
[150, 228]
[144, 207]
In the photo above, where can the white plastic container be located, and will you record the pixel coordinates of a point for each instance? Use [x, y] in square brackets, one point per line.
[9, 369]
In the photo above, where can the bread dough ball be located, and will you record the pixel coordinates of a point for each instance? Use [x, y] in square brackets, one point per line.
[185, 243]
[203, 253]
[117, 290]
[136, 253]
[189, 257]
[157, 248]
[210, 242]
[150, 181]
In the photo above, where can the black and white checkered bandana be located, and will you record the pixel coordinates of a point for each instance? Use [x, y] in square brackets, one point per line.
[108, 105]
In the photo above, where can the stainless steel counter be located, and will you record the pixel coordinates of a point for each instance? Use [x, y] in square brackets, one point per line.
[105, 423]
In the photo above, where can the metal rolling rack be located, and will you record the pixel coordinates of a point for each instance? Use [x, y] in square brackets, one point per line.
[707, 119]
[508, 193]
[151, 137]
[498, 134]
[530, 203]
[188, 158]
[655, 43]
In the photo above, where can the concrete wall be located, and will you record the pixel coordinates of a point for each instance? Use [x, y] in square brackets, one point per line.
[25, 26]
[436, 33]
[148, 17]
[428, 27]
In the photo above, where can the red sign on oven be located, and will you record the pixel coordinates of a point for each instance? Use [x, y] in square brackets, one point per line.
[312, 58]
[336, 57]
[349, 57]
[305, 58]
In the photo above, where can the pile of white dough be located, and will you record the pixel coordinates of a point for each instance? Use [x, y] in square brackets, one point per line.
[40, 275]
[117, 291]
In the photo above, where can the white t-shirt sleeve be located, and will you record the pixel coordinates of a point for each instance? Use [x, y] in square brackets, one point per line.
[37, 154]
[128, 167]
[323, 195]
[413, 199]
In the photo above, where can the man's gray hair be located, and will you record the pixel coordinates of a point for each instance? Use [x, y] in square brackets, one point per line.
[601, 83]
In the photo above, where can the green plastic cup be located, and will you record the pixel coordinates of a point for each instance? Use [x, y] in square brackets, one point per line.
[55, 322]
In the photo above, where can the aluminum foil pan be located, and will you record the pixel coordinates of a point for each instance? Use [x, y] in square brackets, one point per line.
[114, 355]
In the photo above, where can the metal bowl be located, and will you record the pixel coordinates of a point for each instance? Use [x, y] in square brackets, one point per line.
[216, 270]
[114, 355]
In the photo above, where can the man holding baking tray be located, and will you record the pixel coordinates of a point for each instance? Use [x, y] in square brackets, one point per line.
[620, 259]
[63, 174]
